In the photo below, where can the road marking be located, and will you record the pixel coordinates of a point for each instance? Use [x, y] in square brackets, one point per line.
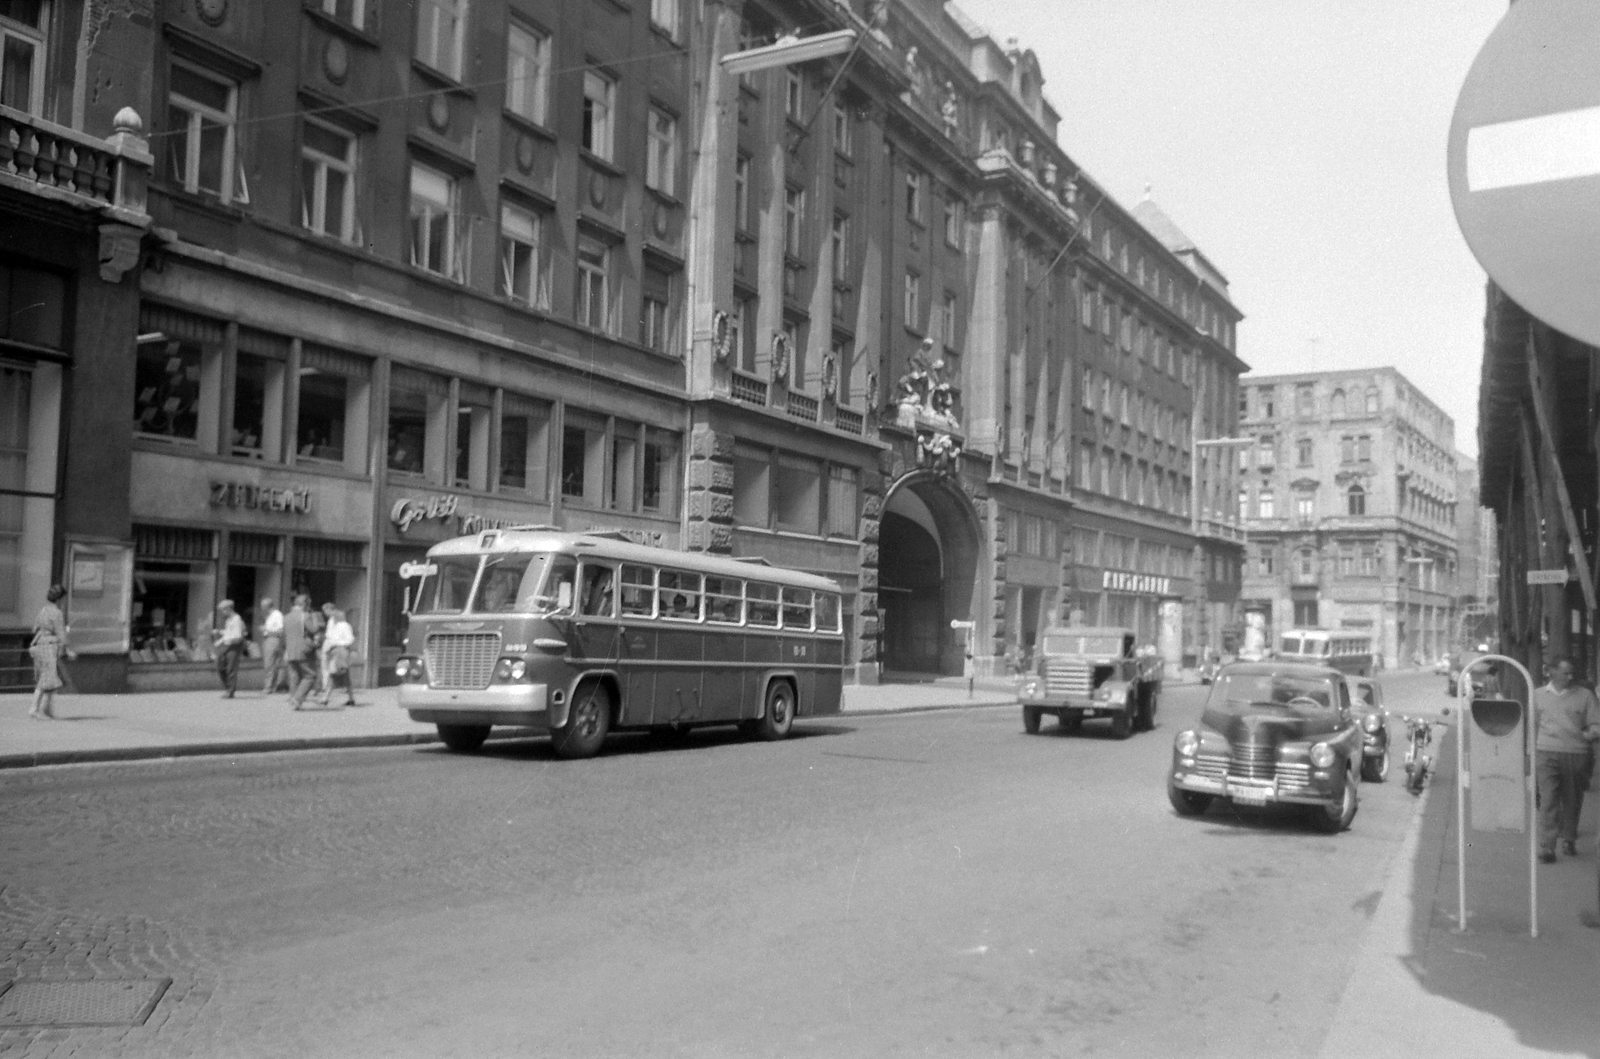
[1534, 150]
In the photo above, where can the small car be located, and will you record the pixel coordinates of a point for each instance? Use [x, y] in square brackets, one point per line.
[1273, 733]
[1442, 666]
[1366, 701]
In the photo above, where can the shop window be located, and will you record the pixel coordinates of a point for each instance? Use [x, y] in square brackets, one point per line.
[473, 422]
[418, 416]
[524, 432]
[843, 500]
[251, 379]
[583, 444]
[322, 417]
[658, 486]
[22, 54]
[798, 494]
[527, 72]
[441, 26]
[166, 389]
[16, 388]
[332, 571]
[752, 486]
[334, 398]
[174, 593]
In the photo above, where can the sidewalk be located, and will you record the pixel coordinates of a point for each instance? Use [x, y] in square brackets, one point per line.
[184, 723]
[1421, 989]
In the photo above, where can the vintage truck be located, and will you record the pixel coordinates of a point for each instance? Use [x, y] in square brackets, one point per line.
[1086, 672]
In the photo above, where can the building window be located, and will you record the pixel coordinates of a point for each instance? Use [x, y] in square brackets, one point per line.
[1265, 402]
[1356, 500]
[524, 438]
[1304, 400]
[656, 315]
[202, 109]
[524, 275]
[334, 390]
[794, 214]
[914, 196]
[1364, 448]
[664, 16]
[327, 181]
[435, 213]
[1347, 449]
[794, 94]
[843, 498]
[22, 54]
[913, 301]
[416, 417]
[1303, 452]
[843, 131]
[527, 73]
[798, 494]
[658, 485]
[741, 193]
[1244, 502]
[593, 306]
[1086, 390]
[661, 161]
[1306, 562]
[1264, 504]
[954, 223]
[1087, 311]
[583, 451]
[1369, 560]
[1304, 506]
[1336, 403]
[1264, 560]
[440, 29]
[599, 93]
[947, 321]
[744, 334]
[166, 387]
[752, 486]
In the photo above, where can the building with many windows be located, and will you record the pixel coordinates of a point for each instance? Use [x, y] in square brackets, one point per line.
[1349, 494]
[410, 272]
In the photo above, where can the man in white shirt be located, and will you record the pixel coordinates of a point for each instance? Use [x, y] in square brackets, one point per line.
[336, 645]
[272, 667]
[230, 639]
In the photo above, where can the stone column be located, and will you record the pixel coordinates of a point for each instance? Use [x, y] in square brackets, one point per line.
[708, 504]
[868, 620]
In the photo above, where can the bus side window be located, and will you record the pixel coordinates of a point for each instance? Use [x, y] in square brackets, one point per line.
[761, 605]
[797, 608]
[680, 595]
[827, 612]
[597, 594]
[724, 600]
[638, 591]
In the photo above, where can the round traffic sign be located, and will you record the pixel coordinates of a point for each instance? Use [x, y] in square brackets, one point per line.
[1524, 161]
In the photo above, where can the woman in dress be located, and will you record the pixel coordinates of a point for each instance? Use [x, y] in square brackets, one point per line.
[336, 645]
[49, 640]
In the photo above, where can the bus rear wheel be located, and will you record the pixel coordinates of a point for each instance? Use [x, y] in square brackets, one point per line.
[588, 720]
[778, 715]
[463, 738]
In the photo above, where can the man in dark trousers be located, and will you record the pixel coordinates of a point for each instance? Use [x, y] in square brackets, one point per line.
[230, 645]
[298, 652]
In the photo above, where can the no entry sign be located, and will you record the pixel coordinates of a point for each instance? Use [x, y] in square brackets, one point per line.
[1524, 161]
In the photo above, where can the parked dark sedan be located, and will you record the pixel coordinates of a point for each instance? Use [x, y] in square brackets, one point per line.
[1273, 733]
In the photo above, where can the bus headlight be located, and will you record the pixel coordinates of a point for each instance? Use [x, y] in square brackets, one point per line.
[410, 670]
[508, 670]
[1322, 755]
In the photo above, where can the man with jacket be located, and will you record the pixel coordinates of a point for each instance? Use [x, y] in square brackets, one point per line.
[299, 651]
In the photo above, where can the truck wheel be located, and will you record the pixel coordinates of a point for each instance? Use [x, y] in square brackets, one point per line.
[1030, 719]
[463, 738]
[1147, 710]
[1122, 721]
[1187, 803]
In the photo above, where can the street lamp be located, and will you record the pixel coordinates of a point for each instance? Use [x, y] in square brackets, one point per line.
[789, 50]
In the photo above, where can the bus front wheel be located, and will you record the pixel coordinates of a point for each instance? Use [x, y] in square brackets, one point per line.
[463, 738]
[778, 716]
[588, 720]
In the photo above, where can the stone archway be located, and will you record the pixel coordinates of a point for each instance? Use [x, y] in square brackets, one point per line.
[929, 546]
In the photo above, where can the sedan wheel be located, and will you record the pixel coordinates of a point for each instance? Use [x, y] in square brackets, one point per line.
[1334, 819]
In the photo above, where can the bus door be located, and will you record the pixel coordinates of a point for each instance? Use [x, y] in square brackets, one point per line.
[680, 648]
[596, 623]
[636, 642]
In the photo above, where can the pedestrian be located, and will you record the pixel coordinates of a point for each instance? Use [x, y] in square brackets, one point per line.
[336, 644]
[49, 642]
[271, 647]
[322, 655]
[1568, 719]
[299, 650]
[230, 640]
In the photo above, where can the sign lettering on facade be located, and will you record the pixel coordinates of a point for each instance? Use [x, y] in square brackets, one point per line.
[1548, 577]
[261, 497]
[1146, 584]
[409, 510]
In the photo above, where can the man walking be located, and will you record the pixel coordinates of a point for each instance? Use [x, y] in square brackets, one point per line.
[1568, 719]
[230, 645]
[271, 647]
[298, 653]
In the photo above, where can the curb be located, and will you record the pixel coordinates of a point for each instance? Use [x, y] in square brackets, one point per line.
[106, 755]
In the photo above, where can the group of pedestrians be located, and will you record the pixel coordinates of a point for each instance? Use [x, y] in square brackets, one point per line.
[306, 651]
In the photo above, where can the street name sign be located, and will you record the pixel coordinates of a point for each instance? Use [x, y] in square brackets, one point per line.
[1548, 577]
[1524, 161]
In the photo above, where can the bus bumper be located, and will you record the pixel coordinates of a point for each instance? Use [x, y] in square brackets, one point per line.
[520, 705]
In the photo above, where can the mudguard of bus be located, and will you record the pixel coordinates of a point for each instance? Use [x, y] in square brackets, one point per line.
[558, 710]
[801, 707]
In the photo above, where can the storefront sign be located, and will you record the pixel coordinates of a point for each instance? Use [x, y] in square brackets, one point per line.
[1146, 584]
[260, 497]
[410, 570]
[409, 510]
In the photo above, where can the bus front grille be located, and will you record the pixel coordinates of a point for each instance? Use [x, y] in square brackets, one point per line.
[462, 659]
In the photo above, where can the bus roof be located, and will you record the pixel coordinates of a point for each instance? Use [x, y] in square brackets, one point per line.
[615, 546]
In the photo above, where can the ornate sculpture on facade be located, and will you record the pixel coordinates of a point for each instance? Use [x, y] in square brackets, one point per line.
[938, 452]
[923, 397]
[949, 111]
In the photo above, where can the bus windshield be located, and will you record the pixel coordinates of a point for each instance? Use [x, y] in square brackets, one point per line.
[446, 590]
[526, 583]
[1291, 645]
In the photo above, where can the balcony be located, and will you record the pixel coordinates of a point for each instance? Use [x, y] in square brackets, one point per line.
[51, 161]
[748, 389]
[1217, 530]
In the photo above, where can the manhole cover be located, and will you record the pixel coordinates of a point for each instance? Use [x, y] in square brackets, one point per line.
[97, 1003]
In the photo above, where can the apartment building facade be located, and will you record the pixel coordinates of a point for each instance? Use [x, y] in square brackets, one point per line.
[1349, 495]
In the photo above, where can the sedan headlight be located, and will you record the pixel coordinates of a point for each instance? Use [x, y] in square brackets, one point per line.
[1372, 723]
[1322, 755]
[1187, 743]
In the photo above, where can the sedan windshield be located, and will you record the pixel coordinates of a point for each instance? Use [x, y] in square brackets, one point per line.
[1271, 689]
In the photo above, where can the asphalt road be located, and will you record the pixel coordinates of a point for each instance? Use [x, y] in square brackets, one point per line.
[919, 885]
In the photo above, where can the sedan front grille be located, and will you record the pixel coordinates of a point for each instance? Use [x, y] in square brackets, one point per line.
[1251, 762]
[1214, 767]
[1293, 775]
[462, 660]
[1067, 678]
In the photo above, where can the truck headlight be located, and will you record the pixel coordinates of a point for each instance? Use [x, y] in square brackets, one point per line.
[1102, 694]
[1372, 723]
[1032, 688]
[1186, 744]
[1322, 755]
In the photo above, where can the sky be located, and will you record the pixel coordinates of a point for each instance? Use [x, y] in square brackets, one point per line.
[1301, 145]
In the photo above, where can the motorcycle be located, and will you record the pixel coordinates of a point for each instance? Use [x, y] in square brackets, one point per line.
[1419, 760]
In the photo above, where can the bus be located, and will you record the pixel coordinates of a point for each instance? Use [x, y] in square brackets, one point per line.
[581, 634]
[1342, 649]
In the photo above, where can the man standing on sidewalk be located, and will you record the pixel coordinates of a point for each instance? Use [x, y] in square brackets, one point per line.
[298, 653]
[1568, 719]
[230, 645]
[271, 647]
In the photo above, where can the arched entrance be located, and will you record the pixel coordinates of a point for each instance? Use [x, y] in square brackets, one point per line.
[928, 546]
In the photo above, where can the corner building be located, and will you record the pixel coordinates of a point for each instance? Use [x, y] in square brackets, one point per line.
[1349, 496]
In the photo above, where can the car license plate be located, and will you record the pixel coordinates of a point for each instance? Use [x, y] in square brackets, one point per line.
[1249, 795]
